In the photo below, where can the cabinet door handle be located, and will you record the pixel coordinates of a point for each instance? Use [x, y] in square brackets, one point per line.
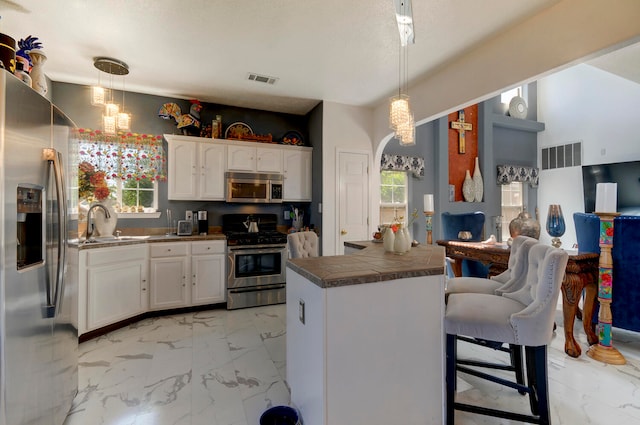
[144, 289]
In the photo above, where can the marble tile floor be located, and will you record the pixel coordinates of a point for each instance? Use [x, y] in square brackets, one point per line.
[222, 367]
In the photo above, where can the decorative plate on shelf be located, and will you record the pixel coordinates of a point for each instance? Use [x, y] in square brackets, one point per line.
[518, 107]
[238, 130]
[293, 138]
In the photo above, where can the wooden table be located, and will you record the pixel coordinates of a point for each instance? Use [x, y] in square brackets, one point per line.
[581, 273]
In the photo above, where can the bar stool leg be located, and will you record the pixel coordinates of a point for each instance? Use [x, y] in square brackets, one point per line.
[451, 371]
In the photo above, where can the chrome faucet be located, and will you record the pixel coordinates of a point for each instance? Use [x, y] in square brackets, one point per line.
[90, 225]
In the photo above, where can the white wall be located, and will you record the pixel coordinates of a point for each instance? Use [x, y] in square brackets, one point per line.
[600, 109]
[347, 128]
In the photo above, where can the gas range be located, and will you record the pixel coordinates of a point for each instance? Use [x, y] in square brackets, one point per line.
[255, 261]
[233, 226]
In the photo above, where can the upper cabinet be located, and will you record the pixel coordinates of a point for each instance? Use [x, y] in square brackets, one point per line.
[196, 166]
[254, 159]
[297, 174]
[196, 169]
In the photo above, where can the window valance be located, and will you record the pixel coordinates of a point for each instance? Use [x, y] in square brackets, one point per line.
[414, 164]
[518, 173]
[124, 155]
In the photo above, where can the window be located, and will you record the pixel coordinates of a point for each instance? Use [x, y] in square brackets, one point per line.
[393, 196]
[512, 204]
[125, 168]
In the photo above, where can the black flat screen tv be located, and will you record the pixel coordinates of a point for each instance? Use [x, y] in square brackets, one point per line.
[625, 174]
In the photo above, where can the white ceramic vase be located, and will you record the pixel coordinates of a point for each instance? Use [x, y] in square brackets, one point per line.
[477, 182]
[388, 240]
[468, 188]
[105, 226]
[400, 243]
[407, 236]
[38, 79]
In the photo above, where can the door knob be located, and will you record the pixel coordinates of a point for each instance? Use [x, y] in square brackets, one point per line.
[343, 232]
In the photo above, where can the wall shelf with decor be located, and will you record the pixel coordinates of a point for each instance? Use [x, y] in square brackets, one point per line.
[519, 124]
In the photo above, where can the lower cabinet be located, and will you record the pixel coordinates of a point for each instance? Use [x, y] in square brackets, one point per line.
[112, 285]
[208, 272]
[168, 271]
[185, 274]
[120, 282]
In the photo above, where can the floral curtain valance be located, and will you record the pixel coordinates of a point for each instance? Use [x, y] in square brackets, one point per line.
[414, 164]
[518, 173]
[123, 156]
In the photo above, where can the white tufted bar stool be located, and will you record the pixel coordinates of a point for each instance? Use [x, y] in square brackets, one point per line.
[303, 244]
[523, 318]
[510, 280]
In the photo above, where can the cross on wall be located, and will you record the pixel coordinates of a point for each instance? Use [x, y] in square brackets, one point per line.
[461, 126]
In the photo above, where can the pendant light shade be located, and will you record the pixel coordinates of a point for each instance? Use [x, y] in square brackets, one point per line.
[400, 116]
[113, 118]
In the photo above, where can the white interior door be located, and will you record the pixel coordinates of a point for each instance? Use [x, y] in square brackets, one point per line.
[353, 203]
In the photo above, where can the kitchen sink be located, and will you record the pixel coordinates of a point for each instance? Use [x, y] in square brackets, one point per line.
[108, 239]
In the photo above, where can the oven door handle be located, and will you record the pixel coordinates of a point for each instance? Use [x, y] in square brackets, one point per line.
[252, 251]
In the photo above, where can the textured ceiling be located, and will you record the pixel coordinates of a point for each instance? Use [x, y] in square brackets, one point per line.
[333, 50]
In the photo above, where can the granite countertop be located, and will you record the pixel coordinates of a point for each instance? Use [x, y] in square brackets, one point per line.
[132, 240]
[370, 264]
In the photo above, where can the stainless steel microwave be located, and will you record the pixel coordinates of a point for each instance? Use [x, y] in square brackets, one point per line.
[253, 187]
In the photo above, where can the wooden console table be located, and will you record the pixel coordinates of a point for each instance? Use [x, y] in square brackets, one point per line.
[581, 273]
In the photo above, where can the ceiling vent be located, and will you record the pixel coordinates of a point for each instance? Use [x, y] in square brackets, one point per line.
[261, 78]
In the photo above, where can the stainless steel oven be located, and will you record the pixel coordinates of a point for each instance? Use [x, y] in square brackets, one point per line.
[256, 275]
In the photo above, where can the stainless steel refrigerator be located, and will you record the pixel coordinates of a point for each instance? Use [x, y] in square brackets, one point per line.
[38, 280]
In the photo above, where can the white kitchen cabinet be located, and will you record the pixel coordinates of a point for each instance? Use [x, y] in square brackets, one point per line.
[297, 174]
[169, 271]
[195, 168]
[112, 285]
[208, 272]
[212, 167]
[254, 159]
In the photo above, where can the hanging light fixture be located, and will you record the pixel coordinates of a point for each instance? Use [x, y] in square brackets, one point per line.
[400, 116]
[112, 119]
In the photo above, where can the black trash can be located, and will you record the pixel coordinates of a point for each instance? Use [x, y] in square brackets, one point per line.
[280, 415]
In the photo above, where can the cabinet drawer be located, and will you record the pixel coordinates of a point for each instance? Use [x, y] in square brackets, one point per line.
[168, 249]
[96, 257]
[208, 247]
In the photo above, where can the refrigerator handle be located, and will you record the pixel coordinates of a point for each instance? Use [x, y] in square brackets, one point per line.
[55, 158]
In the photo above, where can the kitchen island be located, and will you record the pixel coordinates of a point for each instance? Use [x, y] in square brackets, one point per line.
[365, 337]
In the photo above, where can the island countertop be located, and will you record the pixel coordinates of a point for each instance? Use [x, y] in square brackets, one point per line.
[370, 264]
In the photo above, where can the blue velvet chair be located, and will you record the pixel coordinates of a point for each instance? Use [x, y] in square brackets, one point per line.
[587, 232]
[626, 264]
[473, 222]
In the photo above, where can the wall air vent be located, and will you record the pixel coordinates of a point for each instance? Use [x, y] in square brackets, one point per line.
[261, 78]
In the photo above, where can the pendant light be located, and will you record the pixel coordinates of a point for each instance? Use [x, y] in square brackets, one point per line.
[401, 119]
[112, 119]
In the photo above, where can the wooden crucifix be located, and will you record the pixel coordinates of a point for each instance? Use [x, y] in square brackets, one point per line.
[461, 126]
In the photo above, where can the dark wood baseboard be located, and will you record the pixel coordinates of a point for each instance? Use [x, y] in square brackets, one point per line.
[123, 323]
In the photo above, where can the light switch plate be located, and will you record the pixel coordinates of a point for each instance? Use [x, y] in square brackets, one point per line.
[286, 215]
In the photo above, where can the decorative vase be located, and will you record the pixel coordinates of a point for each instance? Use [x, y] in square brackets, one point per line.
[407, 237]
[555, 224]
[400, 242]
[105, 226]
[524, 225]
[388, 240]
[468, 188]
[477, 182]
[38, 79]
